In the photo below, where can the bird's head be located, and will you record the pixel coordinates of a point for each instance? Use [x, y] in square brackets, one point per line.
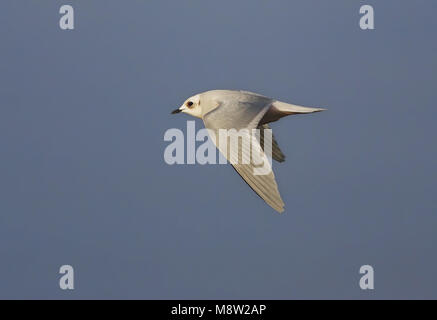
[191, 106]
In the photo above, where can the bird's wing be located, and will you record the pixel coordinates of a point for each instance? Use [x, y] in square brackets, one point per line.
[245, 116]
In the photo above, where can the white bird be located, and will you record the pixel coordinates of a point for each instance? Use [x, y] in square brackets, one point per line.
[233, 109]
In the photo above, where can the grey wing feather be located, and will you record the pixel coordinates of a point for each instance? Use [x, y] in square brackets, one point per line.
[264, 185]
[276, 151]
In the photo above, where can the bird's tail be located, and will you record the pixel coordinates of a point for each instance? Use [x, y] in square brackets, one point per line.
[293, 109]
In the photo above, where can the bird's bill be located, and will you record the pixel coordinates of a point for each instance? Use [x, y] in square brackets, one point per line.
[176, 111]
[180, 109]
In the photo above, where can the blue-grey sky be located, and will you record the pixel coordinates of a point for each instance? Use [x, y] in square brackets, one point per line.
[82, 175]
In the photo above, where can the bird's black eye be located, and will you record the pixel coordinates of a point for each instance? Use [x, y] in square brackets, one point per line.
[189, 104]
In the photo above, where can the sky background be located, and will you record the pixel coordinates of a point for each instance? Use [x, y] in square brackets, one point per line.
[82, 175]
